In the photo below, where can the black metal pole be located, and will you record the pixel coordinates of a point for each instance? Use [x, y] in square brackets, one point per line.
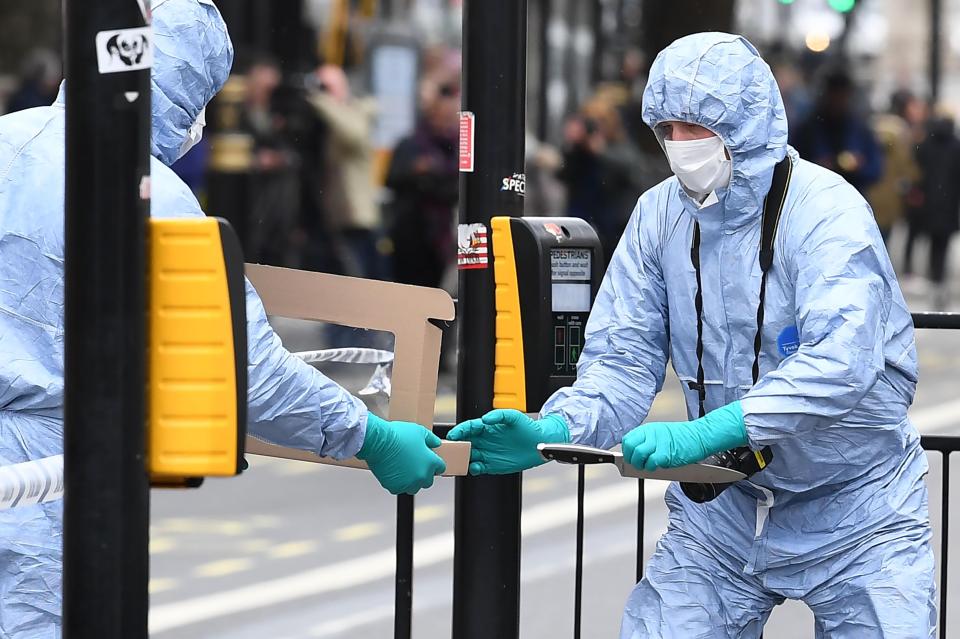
[578, 570]
[597, 10]
[641, 518]
[106, 508]
[944, 543]
[936, 14]
[486, 561]
[546, 58]
[403, 585]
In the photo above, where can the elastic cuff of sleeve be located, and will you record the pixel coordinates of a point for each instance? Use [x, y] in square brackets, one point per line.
[370, 424]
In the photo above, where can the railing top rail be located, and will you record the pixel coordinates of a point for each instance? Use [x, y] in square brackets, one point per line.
[936, 320]
[943, 443]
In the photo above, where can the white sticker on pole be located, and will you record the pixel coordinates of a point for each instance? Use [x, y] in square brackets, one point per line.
[472, 250]
[467, 130]
[124, 50]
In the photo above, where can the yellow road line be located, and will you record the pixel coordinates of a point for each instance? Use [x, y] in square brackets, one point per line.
[160, 545]
[160, 584]
[446, 404]
[358, 531]
[182, 525]
[223, 567]
[428, 513]
[253, 546]
[292, 549]
[538, 484]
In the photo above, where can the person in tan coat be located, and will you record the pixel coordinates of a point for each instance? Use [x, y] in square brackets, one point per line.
[888, 196]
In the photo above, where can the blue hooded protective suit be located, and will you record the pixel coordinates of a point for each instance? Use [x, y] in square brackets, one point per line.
[839, 519]
[290, 403]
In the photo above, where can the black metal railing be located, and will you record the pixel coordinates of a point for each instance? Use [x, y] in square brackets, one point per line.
[945, 445]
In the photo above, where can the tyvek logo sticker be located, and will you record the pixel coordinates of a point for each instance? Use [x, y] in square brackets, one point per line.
[788, 342]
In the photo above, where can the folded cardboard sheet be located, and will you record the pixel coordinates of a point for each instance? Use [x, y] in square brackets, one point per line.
[403, 310]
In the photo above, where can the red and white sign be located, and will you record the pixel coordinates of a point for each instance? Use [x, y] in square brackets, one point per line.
[472, 249]
[467, 126]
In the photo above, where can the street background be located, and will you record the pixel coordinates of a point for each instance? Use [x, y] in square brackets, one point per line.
[333, 148]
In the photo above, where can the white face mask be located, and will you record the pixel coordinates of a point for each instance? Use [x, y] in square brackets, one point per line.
[701, 165]
[195, 133]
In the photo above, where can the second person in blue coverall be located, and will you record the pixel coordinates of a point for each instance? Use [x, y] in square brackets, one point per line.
[839, 518]
[290, 403]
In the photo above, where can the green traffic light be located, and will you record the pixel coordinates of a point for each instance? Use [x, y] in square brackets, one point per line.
[785, 1]
[843, 6]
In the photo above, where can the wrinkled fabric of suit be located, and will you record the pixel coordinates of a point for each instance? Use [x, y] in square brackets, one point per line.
[839, 518]
[290, 403]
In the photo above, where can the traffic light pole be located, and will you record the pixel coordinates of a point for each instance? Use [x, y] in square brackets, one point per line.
[106, 505]
[486, 577]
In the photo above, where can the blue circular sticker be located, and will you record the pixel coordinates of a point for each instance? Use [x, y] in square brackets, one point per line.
[789, 341]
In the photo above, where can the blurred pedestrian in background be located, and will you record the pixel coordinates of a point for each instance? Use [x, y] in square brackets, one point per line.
[40, 76]
[888, 196]
[424, 181]
[916, 113]
[837, 137]
[938, 216]
[793, 86]
[602, 170]
[349, 197]
[273, 214]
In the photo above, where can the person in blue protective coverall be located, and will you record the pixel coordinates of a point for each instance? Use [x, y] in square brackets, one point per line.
[839, 518]
[290, 403]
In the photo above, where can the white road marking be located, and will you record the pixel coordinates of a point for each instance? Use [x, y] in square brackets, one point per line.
[561, 566]
[380, 565]
[342, 624]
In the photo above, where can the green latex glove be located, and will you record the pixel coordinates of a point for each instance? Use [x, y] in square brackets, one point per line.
[668, 445]
[399, 455]
[505, 441]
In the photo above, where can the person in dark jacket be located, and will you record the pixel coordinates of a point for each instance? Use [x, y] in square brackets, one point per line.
[604, 171]
[835, 137]
[938, 216]
[425, 182]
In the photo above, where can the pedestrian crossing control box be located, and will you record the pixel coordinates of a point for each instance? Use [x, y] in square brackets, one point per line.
[547, 272]
[197, 372]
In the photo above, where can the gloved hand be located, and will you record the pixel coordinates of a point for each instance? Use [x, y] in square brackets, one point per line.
[505, 441]
[399, 455]
[668, 445]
